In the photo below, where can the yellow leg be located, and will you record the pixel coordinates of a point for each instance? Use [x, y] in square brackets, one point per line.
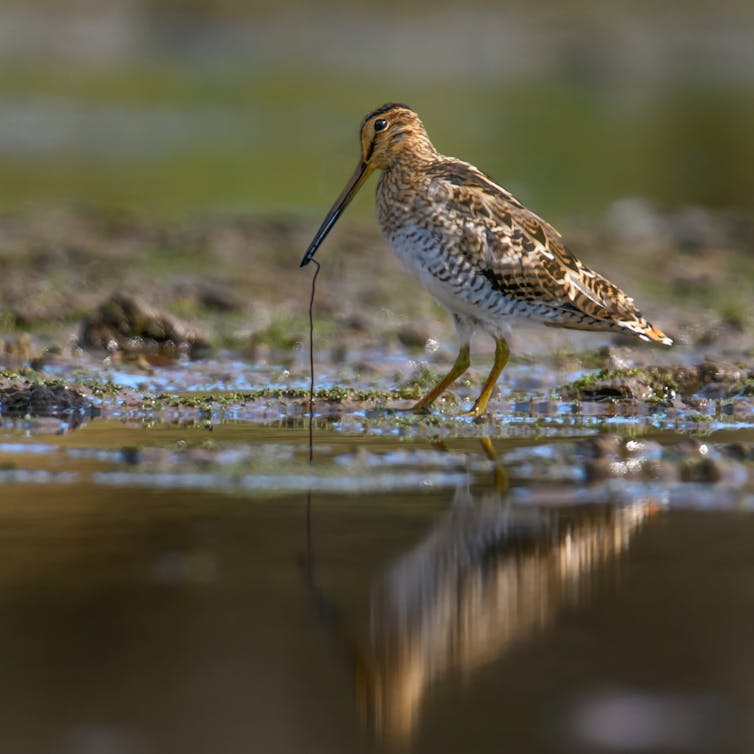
[459, 367]
[501, 359]
[488, 448]
[500, 475]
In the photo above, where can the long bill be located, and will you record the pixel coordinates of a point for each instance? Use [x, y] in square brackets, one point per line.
[354, 184]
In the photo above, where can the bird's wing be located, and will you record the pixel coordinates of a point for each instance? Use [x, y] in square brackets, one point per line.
[521, 254]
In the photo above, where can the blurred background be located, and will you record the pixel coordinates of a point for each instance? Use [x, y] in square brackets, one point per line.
[170, 106]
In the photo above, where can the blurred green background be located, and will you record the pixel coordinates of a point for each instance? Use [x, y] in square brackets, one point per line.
[172, 107]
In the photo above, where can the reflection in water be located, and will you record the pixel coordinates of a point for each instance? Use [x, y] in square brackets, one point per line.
[488, 575]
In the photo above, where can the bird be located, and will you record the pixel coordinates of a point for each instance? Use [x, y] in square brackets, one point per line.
[477, 249]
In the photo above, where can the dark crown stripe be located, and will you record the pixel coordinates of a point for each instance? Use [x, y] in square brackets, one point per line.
[384, 108]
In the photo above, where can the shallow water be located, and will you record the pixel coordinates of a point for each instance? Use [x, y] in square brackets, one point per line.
[192, 584]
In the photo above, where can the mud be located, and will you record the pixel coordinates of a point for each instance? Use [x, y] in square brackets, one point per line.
[115, 316]
[37, 399]
[233, 278]
[129, 327]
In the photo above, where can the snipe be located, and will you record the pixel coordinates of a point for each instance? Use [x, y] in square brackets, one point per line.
[477, 249]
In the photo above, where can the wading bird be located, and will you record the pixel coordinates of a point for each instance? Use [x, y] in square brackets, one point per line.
[481, 254]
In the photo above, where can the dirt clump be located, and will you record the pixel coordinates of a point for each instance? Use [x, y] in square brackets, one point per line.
[123, 323]
[42, 399]
[709, 379]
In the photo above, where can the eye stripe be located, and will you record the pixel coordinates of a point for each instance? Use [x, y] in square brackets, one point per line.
[371, 149]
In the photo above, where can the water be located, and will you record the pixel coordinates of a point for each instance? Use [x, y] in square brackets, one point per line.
[422, 598]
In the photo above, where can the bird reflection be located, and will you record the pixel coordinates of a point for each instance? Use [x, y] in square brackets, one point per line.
[487, 576]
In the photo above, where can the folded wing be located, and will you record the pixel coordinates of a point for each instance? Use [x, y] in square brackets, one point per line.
[524, 258]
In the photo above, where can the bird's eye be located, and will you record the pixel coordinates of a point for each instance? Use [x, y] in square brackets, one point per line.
[380, 125]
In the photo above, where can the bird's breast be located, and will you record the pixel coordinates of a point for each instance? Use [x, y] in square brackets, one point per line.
[444, 251]
[450, 276]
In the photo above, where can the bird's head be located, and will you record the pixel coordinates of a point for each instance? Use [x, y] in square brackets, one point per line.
[388, 133]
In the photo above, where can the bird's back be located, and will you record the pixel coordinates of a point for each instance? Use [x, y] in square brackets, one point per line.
[480, 252]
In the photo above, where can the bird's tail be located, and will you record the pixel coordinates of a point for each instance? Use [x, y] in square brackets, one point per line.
[646, 331]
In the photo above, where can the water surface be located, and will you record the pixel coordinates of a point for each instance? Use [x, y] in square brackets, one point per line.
[422, 598]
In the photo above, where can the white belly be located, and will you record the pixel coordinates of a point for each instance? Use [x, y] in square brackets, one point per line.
[454, 283]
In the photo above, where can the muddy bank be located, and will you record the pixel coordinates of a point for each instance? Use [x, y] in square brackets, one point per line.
[237, 278]
[112, 301]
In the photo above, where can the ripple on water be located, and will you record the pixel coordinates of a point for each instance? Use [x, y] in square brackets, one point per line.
[273, 484]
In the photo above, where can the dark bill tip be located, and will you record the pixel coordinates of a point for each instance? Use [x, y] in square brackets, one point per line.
[335, 211]
[330, 220]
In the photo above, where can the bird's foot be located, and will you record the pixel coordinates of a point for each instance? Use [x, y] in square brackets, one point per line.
[420, 409]
[422, 406]
[475, 411]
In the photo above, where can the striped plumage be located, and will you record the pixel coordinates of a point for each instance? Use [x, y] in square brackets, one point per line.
[476, 248]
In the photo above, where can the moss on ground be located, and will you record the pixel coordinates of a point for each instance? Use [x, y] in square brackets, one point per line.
[660, 384]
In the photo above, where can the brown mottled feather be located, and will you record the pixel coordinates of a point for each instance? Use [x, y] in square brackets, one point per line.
[523, 256]
[476, 248]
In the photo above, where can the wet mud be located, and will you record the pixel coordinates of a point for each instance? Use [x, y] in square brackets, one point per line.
[113, 315]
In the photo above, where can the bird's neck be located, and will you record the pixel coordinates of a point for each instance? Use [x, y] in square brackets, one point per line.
[415, 154]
